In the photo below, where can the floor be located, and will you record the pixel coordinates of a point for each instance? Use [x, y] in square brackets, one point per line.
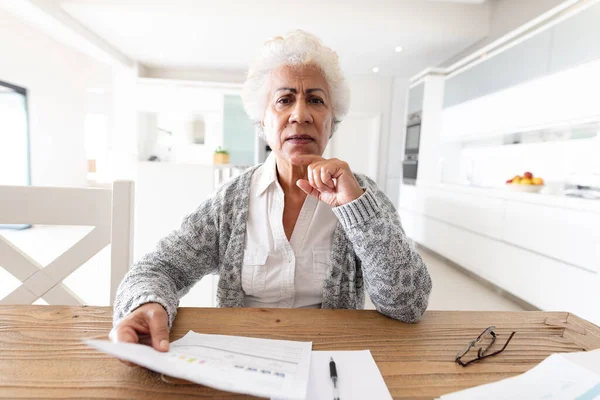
[452, 289]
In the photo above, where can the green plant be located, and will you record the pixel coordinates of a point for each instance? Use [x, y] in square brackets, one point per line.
[219, 150]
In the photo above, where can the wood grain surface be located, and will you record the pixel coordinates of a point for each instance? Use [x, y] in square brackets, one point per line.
[42, 356]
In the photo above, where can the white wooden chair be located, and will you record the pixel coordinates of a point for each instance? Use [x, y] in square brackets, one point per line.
[109, 211]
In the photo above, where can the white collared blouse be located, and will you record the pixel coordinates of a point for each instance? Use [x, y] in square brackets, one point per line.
[277, 272]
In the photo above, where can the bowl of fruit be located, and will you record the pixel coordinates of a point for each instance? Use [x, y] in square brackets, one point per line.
[526, 183]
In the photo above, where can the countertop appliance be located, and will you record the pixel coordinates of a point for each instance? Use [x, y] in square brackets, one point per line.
[410, 165]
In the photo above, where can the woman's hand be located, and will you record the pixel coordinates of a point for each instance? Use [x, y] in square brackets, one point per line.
[330, 181]
[147, 324]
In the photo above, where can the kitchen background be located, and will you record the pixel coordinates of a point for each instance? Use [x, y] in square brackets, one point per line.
[450, 100]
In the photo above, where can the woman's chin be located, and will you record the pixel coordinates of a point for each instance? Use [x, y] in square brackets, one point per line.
[303, 152]
[301, 146]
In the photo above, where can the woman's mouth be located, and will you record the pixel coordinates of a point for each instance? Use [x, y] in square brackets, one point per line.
[300, 139]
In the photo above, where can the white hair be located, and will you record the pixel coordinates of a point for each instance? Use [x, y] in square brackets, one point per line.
[297, 48]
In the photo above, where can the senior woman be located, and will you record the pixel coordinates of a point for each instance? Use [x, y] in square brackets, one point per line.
[297, 231]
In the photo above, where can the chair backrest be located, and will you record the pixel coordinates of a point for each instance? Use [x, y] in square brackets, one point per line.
[108, 211]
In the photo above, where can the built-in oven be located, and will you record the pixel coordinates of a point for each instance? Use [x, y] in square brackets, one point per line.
[411, 148]
[409, 171]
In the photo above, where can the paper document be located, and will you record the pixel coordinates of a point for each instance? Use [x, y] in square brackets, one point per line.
[560, 376]
[358, 376]
[260, 367]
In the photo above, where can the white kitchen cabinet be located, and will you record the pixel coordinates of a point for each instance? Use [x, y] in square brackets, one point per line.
[547, 256]
[576, 40]
[543, 282]
[415, 98]
[480, 214]
[530, 106]
[463, 86]
[409, 198]
[566, 235]
[547, 283]
[469, 250]
[571, 42]
[526, 61]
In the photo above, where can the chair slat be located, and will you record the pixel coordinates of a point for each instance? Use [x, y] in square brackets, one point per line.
[15, 261]
[20, 295]
[109, 211]
[55, 205]
[62, 295]
[121, 234]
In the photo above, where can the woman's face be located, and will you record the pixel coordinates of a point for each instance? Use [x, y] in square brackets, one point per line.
[298, 117]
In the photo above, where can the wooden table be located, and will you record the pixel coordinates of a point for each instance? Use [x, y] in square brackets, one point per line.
[41, 354]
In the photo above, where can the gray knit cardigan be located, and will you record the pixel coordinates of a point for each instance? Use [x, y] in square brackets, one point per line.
[369, 245]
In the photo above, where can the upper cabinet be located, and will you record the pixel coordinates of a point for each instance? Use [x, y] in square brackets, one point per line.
[576, 40]
[573, 41]
[415, 98]
[526, 61]
[551, 78]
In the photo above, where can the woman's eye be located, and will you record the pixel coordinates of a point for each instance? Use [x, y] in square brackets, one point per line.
[283, 100]
[317, 100]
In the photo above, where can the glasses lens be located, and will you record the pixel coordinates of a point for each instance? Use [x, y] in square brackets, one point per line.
[479, 346]
[466, 349]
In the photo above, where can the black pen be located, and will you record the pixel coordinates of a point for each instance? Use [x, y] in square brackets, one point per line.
[334, 379]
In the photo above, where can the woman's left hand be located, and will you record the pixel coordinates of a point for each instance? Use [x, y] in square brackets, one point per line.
[330, 181]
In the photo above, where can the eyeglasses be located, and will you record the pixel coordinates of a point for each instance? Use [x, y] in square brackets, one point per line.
[485, 341]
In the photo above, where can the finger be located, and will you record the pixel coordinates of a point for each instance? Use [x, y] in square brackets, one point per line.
[305, 159]
[341, 167]
[146, 340]
[327, 178]
[310, 177]
[307, 188]
[158, 322]
[316, 172]
[124, 333]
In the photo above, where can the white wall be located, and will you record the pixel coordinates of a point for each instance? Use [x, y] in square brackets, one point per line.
[396, 139]
[374, 96]
[369, 95]
[165, 193]
[56, 77]
[556, 162]
[180, 101]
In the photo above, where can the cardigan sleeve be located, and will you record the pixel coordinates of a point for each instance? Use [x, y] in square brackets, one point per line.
[395, 276]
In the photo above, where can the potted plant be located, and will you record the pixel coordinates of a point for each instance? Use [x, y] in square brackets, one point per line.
[221, 156]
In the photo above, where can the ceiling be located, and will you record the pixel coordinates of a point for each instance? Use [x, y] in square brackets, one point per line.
[225, 34]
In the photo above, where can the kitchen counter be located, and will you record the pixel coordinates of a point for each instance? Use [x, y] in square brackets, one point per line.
[530, 245]
[551, 200]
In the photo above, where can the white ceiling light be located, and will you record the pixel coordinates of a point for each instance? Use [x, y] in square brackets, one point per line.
[375, 69]
[399, 49]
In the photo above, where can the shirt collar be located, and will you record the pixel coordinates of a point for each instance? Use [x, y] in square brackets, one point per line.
[268, 174]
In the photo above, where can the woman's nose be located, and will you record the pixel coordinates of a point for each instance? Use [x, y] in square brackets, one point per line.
[300, 113]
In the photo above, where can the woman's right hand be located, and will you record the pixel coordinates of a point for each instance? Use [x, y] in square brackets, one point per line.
[147, 324]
